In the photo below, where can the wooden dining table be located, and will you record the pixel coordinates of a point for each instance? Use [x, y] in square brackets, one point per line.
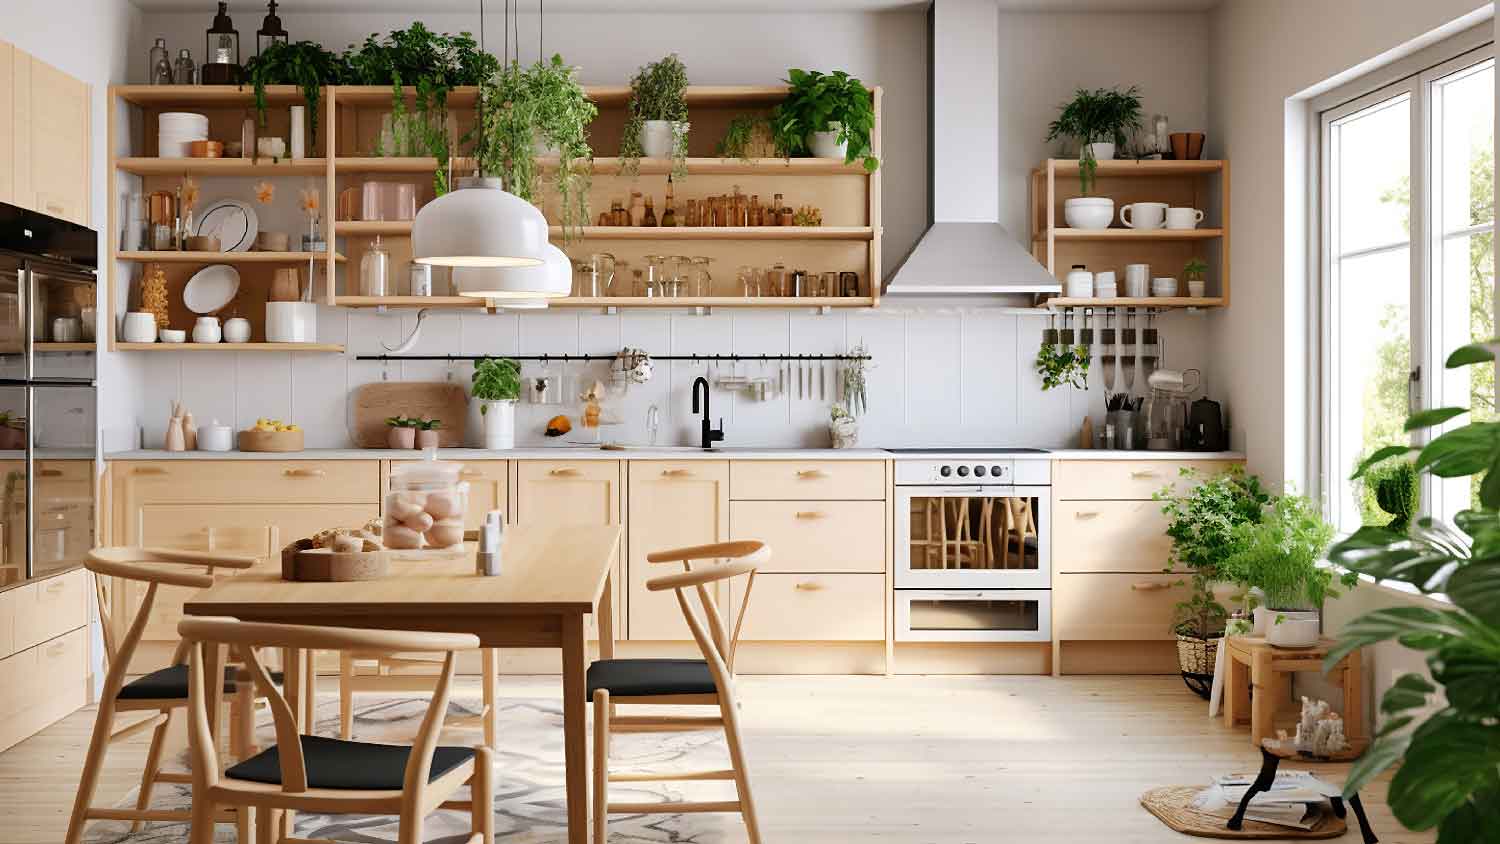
[551, 578]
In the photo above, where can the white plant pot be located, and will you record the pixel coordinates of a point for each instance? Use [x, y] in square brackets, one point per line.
[656, 138]
[826, 144]
[499, 424]
[1287, 628]
[1089, 212]
[1102, 151]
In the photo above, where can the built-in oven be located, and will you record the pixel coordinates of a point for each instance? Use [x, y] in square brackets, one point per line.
[972, 559]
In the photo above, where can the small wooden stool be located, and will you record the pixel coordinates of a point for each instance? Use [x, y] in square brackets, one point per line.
[1269, 670]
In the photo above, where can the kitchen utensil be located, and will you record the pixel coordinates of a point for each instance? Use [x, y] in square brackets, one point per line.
[1089, 212]
[66, 330]
[139, 327]
[1107, 355]
[215, 437]
[273, 441]
[1137, 280]
[325, 565]
[374, 403]
[1183, 218]
[293, 322]
[211, 288]
[172, 335]
[237, 330]
[207, 330]
[233, 222]
[202, 243]
[175, 439]
[1127, 352]
[1196, 289]
[1150, 354]
[1164, 286]
[1205, 428]
[272, 242]
[1144, 215]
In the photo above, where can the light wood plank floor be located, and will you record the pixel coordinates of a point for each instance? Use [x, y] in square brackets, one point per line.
[914, 760]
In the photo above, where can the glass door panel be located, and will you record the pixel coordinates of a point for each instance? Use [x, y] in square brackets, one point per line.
[982, 532]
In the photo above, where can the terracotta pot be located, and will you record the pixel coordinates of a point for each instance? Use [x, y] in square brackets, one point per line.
[400, 437]
[427, 439]
[1187, 146]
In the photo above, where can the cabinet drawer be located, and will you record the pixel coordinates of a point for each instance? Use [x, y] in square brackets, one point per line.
[776, 480]
[255, 481]
[1118, 536]
[1115, 607]
[814, 536]
[17, 678]
[10, 602]
[51, 608]
[62, 666]
[1126, 480]
[814, 607]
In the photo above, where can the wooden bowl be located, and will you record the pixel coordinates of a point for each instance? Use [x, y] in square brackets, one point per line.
[272, 242]
[203, 243]
[253, 440]
[206, 149]
[325, 565]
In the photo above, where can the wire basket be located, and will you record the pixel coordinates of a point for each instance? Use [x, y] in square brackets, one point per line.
[1195, 657]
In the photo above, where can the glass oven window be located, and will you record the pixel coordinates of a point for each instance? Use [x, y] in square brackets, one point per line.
[978, 533]
[938, 614]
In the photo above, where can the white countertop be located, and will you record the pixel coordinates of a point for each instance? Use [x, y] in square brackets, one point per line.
[580, 452]
[50, 454]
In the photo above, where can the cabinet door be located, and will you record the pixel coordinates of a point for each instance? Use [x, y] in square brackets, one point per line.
[673, 504]
[8, 129]
[59, 143]
[22, 187]
[571, 492]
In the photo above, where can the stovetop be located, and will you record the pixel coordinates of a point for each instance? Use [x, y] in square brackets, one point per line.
[967, 451]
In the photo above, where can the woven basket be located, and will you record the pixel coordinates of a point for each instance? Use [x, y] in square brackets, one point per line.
[1195, 657]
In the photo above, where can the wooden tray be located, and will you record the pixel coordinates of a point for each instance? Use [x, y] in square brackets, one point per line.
[374, 403]
[253, 440]
[1356, 749]
[326, 565]
[1171, 805]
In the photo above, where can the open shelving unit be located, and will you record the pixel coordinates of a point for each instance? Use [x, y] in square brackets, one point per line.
[1198, 184]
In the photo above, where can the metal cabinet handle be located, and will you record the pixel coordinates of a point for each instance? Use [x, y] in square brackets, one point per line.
[304, 473]
[1149, 586]
[1144, 474]
[141, 471]
[809, 587]
[810, 474]
[811, 514]
[563, 473]
[56, 586]
[49, 473]
[57, 649]
[677, 473]
[1086, 514]
[470, 473]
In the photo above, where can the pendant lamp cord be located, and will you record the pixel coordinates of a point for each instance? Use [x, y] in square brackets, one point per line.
[541, 32]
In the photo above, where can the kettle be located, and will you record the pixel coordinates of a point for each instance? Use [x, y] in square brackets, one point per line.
[1205, 427]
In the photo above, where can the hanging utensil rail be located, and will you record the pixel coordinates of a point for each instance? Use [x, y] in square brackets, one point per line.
[566, 358]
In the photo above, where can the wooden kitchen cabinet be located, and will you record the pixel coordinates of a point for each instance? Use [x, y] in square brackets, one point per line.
[1109, 536]
[1126, 480]
[43, 653]
[1115, 607]
[572, 492]
[8, 129]
[673, 504]
[780, 480]
[815, 536]
[813, 607]
[46, 113]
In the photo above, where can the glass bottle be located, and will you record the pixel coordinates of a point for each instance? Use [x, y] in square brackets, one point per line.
[649, 218]
[692, 213]
[746, 277]
[775, 281]
[668, 215]
[374, 270]
[637, 211]
[618, 216]
[182, 69]
[157, 58]
[773, 216]
[756, 217]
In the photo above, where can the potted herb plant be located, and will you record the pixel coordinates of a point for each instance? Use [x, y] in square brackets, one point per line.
[401, 432]
[497, 387]
[1280, 555]
[427, 432]
[538, 110]
[1097, 121]
[1201, 520]
[749, 136]
[827, 116]
[1439, 725]
[1193, 271]
[656, 124]
[304, 64]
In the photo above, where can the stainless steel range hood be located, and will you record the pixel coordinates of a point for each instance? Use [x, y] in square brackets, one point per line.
[966, 251]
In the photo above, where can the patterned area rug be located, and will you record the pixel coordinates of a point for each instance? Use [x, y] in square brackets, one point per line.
[529, 807]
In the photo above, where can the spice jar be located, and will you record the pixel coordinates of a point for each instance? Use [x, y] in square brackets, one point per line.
[374, 270]
[425, 506]
[692, 213]
[773, 214]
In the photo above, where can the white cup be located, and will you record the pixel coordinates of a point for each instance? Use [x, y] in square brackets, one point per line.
[1164, 286]
[1183, 218]
[1144, 215]
[140, 327]
[207, 330]
[1137, 280]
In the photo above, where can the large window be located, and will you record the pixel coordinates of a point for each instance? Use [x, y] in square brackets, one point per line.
[1408, 264]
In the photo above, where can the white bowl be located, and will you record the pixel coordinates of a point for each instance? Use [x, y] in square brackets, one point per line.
[1164, 287]
[1089, 212]
[173, 335]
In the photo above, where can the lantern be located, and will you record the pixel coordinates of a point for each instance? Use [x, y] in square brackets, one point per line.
[271, 31]
[221, 51]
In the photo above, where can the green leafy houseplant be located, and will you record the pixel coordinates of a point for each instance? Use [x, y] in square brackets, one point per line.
[427, 424]
[1097, 116]
[749, 136]
[819, 102]
[657, 92]
[304, 64]
[1060, 365]
[1280, 555]
[402, 422]
[1449, 776]
[1201, 522]
[1194, 269]
[496, 379]
[540, 104]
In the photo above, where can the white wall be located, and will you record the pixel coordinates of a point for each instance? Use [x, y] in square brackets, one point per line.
[942, 376]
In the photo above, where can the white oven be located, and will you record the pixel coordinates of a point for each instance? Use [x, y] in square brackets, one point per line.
[972, 558]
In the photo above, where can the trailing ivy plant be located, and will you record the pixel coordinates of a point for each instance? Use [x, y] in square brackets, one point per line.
[1397, 488]
[1449, 773]
[542, 104]
[304, 64]
[819, 102]
[658, 91]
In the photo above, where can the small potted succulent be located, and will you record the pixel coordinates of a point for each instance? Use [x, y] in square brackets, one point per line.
[826, 115]
[427, 432]
[497, 387]
[1193, 270]
[656, 123]
[401, 432]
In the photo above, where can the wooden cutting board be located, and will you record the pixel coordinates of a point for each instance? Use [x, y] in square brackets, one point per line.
[374, 403]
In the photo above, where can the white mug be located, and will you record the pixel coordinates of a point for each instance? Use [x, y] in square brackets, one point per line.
[1144, 215]
[1183, 218]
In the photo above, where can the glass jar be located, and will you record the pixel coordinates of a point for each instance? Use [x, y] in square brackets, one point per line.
[375, 270]
[776, 281]
[748, 280]
[702, 282]
[657, 275]
[425, 507]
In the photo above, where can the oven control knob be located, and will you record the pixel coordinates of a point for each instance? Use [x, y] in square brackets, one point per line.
[978, 471]
[995, 472]
[945, 471]
[963, 471]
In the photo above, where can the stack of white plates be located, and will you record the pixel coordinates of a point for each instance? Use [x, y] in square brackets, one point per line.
[176, 131]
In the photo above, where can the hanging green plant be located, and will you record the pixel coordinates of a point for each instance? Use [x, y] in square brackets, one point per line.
[1097, 116]
[657, 92]
[304, 64]
[1060, 365]
[749, 136]
[833, 102]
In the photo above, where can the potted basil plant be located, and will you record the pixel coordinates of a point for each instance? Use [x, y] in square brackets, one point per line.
[656, 123]
[497, 387]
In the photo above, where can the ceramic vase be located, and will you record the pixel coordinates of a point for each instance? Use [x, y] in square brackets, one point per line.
[499, 424]
[826, 144]
[400, 437]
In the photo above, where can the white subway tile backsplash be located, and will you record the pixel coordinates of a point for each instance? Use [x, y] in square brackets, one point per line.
[209, 388]
[263, 388]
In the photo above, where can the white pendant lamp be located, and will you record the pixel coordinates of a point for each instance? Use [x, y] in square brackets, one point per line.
[518, 287]
[479, 225]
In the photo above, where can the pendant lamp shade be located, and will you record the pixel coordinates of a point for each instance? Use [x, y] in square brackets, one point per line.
[479, 225]
[519, 287]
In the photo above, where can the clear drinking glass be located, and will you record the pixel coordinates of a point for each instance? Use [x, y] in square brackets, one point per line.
[702, 281]
[748, 278]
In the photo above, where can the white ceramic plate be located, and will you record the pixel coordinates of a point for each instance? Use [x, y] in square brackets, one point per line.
[211, 288]
[233, 222]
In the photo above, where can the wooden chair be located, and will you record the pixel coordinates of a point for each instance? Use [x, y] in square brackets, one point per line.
[162, 692]
[316, 774]
[679, 682]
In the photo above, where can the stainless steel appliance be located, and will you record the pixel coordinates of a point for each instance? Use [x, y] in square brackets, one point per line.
[972, 562]
[48, 408]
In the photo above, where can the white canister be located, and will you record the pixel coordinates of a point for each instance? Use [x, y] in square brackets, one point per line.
[66, 330]
[139, 327]
[237, 330]
[421, 279]
[291, 322]
[299, 142]
[1079, 283]
[207, 330]
[215, 437]
[499, 424]
[1137, 280]
[86, 318]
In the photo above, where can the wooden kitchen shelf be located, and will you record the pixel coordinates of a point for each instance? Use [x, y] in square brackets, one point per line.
[1132, 234]
[64, 347]
[1144, 302]
[1127, 167]
[399, 228]
[616, 302]
[258, 167]
[208, 96]
[610, 166]
[229, 347]
[170, 257]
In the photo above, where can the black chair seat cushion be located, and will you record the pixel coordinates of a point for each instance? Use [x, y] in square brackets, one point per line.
[172, 684]
[332, 763]
[642, 677]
